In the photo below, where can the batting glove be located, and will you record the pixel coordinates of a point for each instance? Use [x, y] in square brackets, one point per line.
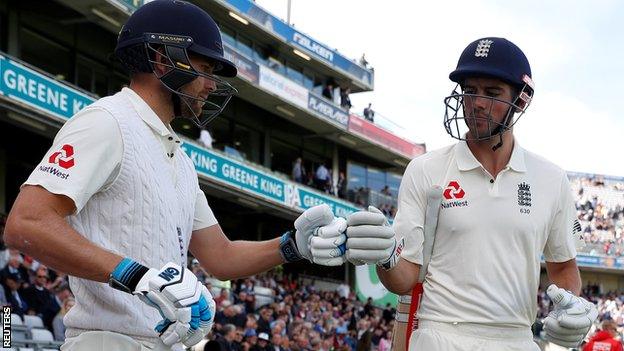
[569, 321]
[318, 237]
[186, 306]
[371, 240]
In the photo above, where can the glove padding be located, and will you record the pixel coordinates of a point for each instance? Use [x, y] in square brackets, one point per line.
[328, 243]
[571, 318]
[370, 239]
[185, 304]
[320, 236]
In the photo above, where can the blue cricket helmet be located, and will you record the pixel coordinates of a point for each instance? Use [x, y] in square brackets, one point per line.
[493, 57]
[175, 18]
[164, 33]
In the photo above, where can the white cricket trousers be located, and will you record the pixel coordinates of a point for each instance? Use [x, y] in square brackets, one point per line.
[438, 336]
[100, 340]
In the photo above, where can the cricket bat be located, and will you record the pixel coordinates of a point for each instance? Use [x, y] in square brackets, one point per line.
[408, 322]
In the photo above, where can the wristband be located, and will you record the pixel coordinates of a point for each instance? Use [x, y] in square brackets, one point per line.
[394, 258]
[127, 275]
[288, 247]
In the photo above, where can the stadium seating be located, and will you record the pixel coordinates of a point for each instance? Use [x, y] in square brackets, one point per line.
[33, 321]
[600, 209]
[41, 334]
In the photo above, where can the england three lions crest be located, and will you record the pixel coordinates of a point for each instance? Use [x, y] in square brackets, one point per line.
[524, 194]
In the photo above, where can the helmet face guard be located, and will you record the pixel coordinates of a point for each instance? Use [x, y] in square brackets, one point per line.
[496, 58]
[180, 72]
[461, 122]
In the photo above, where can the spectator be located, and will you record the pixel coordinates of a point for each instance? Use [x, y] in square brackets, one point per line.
[388, 313]
[40, 300]
[363, 61]
[263, 343]
[205, 138]
[227, 339]
[345, 100]
[15, 267]
[223, 295]
[369, 114]
[231, 314]
[329, 185]
[12, 283]
[386, 191]
[276, 342]
[58, 327]
[251, 338]
[328, 91]
[604, 340]
[298, 171]
[386, 341]
[321, 176]
[341, 186]
[264, 323]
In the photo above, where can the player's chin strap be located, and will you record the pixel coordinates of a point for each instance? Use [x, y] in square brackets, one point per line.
[502, 128]
[177, 105]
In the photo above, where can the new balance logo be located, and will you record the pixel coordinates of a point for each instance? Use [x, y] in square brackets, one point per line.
[483, 48]
[576, 227]
[169, 273]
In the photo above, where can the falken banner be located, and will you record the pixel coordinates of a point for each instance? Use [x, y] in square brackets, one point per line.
[302, 41]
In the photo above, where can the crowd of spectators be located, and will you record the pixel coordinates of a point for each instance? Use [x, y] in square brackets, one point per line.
[600, 210]
[321, 178]
[30, 288]
[300, 318]
[338, 95]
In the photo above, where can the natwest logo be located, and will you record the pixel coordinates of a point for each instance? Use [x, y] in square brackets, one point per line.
[64, 157]
[453, 191]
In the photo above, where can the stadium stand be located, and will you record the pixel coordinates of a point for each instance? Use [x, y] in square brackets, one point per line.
[280, 115]
[600, 207]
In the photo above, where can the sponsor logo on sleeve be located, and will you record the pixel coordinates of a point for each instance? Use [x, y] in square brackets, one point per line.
[63, 158]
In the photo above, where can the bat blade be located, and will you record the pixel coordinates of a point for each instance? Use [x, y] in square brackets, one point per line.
[434, 199]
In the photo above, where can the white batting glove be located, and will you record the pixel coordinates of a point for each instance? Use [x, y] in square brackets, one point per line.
[318, 237]
[371, 240]
[328, 243]
[571, 318]
[185, 304]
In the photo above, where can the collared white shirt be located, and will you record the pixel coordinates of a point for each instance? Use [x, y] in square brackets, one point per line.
[86, 155]
[490, 236]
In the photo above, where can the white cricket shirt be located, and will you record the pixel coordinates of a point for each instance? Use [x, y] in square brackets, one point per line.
[490, 236]
[86, 155]
[136, 194]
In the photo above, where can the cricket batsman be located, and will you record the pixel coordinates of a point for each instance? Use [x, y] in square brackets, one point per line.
[116, 203]
[502, 208]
